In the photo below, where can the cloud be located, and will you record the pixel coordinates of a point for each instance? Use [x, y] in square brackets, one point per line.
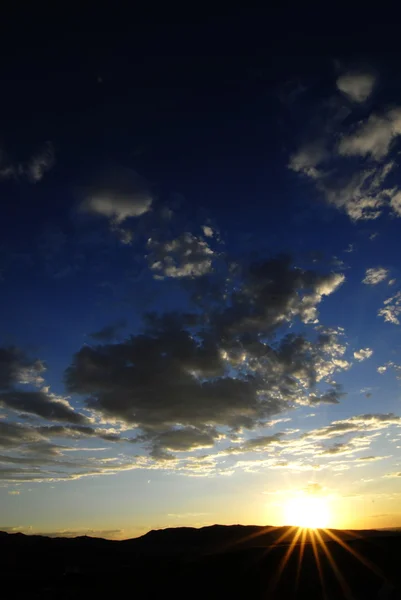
[329, 158]
[365, 422]
[363, 354]
[33, 169]
[313, 488]
[207, 231]
[359, 194]
[257, 444]
[109, 332]
[375, 275]
[395, 203]
[332, 396]
[120, 194]
[186, 377]
[356, 86]
[390, 365]
[308, 157]
[186, 256]
[372, 137]
[17, 368]
[391, 309]
[41, 404]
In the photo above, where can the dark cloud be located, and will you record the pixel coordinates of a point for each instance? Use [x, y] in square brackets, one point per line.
[332, 396]
[187, 376]
[109, 332]
[257, 444]
[17, 368]
[41, 404]
[12, 434]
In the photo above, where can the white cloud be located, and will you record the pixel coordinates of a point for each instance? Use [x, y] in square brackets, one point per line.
[395, 203]
[390, 365]
[392, 309]
[185, 256]
[363, 354]
[207, 231]
[372, 137]
[375, 275]
[360, 194]
[118, 195]
[117, 207]
[356, 86]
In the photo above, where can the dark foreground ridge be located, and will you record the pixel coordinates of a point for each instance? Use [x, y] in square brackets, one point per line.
[212, 562]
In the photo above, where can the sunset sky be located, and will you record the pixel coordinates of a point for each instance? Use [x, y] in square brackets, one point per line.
[200, 279]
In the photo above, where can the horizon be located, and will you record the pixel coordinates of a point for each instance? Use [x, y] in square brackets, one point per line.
[78, 535]
[200, 298]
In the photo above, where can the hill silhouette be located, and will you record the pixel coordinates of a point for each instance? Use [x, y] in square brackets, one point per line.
[210, 562]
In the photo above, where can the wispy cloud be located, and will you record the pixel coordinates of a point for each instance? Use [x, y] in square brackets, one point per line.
[357, 86]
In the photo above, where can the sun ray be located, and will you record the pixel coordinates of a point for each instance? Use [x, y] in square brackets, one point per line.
[340, 578]
[283, 563]
[367, 563]
[318, 564]
[300, 557]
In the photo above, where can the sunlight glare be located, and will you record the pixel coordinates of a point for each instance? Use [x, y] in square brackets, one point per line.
[307, 511]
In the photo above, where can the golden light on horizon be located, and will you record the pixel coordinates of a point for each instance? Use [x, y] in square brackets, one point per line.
[308, 511]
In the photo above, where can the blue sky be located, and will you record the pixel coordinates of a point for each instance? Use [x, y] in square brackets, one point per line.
[200, 287]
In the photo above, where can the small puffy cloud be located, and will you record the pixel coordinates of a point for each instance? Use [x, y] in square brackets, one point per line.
[356, 86]
[375, 275]
[372, 137]
[391, 309]
[207, 231]
[185, 256]
[390, 365]
[363, 354]
[118, 195]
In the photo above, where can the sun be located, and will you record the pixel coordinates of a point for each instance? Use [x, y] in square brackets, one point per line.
[307, 511]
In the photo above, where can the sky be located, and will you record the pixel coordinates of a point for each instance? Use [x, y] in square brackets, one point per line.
[200, 307]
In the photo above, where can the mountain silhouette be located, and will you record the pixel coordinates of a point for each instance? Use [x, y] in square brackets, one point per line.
[211, 562]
